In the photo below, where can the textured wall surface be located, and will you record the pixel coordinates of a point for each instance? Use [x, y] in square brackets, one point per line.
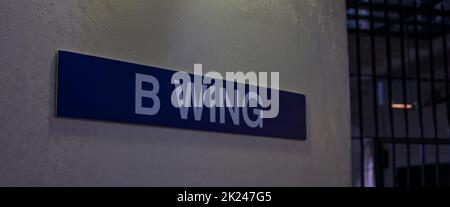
[305, 40]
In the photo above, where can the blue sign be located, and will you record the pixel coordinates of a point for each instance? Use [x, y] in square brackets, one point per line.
[97, 88]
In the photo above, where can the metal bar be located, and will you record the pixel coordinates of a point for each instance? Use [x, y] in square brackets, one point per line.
[360, 101]
[446, 70]
[408, 78]
[405, 95]
[433, 95]
[389, 73]
[374, 72]
[409, 11]
[445, 51]
[351, 17]
[401, 140]
[379, 167]
[419, 94]
[415, 141]
[393, 34]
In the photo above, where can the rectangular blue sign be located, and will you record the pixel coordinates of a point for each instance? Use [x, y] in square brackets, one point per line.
[97, 88]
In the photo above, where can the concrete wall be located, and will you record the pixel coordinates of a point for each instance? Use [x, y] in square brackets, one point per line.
[304, 40]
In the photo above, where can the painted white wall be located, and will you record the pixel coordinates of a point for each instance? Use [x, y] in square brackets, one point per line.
[304, 40]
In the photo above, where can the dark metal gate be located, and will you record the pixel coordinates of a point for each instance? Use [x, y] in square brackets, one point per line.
[399, 74]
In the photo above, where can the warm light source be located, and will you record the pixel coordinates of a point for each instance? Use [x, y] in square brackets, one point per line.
[402, 106]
